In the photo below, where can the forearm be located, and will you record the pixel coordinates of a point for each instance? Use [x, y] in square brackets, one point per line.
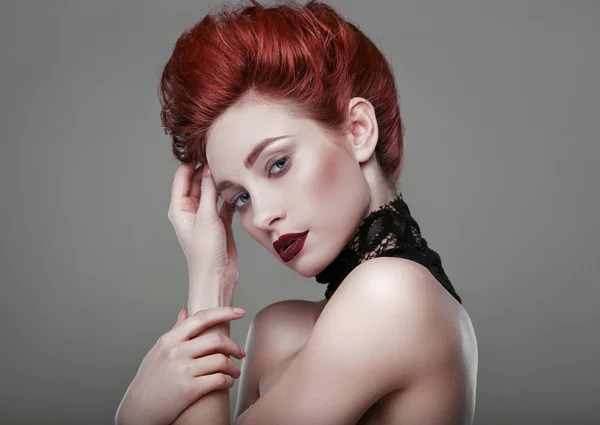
[128, 415]
[209, 292]
[213, 408]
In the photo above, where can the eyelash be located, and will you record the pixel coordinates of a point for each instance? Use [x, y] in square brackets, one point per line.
[280, 172]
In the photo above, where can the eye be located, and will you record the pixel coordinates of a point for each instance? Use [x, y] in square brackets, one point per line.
[280, 164]
[283, 161]
[234, 202]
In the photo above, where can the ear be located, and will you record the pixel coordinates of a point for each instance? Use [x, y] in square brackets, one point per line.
[364, 131]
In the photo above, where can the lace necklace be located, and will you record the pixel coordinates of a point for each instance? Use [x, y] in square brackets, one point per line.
[389, 231]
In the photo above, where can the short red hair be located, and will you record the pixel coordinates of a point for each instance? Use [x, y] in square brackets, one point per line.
[308, 56]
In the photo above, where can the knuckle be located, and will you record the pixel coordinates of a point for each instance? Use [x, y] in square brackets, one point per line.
[173, 352]
[184, 368]
[201, 317]
[163, 341]
[171, 214]
[222, 360]
[223, 379]
[217, 339]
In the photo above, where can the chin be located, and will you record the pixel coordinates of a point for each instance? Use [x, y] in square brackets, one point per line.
[305, 273]
[306, 265]
[310, 261]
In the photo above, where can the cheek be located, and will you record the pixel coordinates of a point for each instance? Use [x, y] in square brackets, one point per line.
[324, 175]
[336, 179]
[246, 221]
[338, 188]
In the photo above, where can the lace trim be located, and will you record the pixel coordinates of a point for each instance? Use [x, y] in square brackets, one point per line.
[388, 231]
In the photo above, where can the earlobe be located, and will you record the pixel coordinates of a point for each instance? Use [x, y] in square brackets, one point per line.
[364, 131]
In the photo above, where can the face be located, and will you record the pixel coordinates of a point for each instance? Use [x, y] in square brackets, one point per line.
[307, 180]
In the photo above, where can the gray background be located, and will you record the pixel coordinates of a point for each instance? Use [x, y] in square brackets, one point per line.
[500, 105]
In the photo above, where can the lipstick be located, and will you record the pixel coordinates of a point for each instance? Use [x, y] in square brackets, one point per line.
[290, 245]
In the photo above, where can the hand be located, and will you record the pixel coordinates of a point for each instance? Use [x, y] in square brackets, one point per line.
[183, 366]
[205, 235]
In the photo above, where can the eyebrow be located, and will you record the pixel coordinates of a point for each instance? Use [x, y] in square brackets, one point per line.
[251, 159]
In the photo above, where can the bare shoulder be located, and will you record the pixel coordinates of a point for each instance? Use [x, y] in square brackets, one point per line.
[390, 325]
[432, 327]
[405, 281]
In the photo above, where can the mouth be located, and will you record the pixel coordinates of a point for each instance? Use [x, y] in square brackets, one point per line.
[289, 245]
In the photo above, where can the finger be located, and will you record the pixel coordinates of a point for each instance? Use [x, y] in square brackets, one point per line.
[202, 320]
[196, 183]
[208, 197]
[182, 316]
[227, 212]
[211, 343]
[212, 364]
[181, 183]
[208, 383]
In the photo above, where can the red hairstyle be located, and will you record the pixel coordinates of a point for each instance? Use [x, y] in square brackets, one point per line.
[307, 56]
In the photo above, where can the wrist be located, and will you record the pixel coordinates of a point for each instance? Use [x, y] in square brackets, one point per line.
[208, 290]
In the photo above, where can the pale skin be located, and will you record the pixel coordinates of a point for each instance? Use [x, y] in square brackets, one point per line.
[391, 346]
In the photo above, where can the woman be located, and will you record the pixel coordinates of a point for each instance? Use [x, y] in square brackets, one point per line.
[294, 114]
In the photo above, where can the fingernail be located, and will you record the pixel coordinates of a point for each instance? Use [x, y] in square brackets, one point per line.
[239, 310]
[206, 170]
[180, 313]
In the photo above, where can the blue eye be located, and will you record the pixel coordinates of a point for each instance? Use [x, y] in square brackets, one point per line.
[280, 164]
[284, 160]
[234, 202]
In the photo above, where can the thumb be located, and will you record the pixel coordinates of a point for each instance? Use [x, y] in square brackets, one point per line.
[208, 197]
[182, 316]
[226, 214]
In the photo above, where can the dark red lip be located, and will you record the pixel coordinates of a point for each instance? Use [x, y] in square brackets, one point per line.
[285, 240]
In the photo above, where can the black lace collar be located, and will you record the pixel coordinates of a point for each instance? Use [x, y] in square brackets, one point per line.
[389, 231]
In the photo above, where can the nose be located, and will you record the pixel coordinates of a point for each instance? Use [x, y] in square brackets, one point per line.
[266, 212]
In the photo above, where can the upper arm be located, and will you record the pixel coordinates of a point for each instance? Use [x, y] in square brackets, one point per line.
[250, 375]
[379, 328]
[273, 333]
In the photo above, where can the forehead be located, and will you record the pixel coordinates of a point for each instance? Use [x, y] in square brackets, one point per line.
[243, 125]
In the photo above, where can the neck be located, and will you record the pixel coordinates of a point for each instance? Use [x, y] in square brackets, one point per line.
[379, 198]
[388, 230]
[379, 190]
